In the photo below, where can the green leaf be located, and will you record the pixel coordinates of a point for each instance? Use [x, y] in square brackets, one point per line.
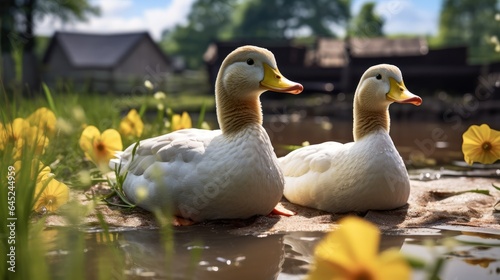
[444, 194]
[202, 115]
[50, 100]
[485, 192]
[415, 262]
[118, 186]
[134, 150]
[495, 186]
[143, 108]
[291, 147]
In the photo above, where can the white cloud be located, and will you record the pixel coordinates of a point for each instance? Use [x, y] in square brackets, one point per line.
[406, 17]
[154, 20]
[403, 16]
[392, 9]
[163, 18]
[113, 6]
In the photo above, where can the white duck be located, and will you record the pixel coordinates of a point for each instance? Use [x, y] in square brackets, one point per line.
[221, 174]
[366, 174]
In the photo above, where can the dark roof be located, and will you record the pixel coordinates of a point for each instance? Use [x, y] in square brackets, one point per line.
[97, 50]
[331, 52]
[368, 47]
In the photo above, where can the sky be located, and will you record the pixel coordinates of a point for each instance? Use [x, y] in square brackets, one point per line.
[401, 16]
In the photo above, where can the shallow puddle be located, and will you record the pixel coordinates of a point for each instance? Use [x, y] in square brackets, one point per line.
[201, 252]
[212, 252]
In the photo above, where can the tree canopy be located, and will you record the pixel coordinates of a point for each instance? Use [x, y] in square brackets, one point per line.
[211, 20]
[18, 17]
[280, 19]
[17, 24]
[471, 23]
[208, 20]
[366, 23]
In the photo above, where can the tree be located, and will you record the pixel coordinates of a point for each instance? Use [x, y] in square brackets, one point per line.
[211, 20]
[366, 23]
[18, 18]
[471, 23]
[207, 21]
[285, 19]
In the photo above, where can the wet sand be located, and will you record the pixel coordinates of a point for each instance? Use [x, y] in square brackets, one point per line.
[431, 204]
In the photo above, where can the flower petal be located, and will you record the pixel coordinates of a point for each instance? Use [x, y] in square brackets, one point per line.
[132, 124]
[186, 120]
[176, 122]
[392, 265]
[43, 118]
[87, 138]
[353, 244]
[323, 269]
[54, 194]
[112, 140]
[473, 141]
[495, 143]
[18, 128]
[359, 238]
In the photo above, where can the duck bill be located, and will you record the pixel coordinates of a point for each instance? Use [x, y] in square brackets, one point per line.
[400, 94]
[275, 81]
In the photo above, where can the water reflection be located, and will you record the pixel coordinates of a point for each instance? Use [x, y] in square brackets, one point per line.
[475, 257]
[222, 256]
[201, 252]
[417, 141]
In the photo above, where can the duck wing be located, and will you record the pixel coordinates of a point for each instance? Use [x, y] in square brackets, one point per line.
[186, 145]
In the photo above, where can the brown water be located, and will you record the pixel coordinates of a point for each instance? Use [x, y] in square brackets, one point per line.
[413, 139]
[200, 252]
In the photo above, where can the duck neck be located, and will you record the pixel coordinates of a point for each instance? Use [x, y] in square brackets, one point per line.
[236, 115]
[368, 121]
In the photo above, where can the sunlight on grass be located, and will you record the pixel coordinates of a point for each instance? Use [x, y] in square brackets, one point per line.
[44, 163]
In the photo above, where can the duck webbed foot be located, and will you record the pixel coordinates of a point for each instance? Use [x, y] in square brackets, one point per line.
[179, 221]
[279, 209]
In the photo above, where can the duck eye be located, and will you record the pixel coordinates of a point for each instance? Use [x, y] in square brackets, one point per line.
[250, 61]
[379, 77]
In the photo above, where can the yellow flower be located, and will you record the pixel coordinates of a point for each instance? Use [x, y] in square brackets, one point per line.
[37, 139]
[351, 252]
[481, 144]
[16, 130]
[181, 122]
[20, 134]
[132, 124]
[38, 169]
[100, 148]
[44, 119]
[51, 195]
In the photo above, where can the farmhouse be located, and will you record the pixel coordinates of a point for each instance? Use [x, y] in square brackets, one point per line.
[104, 62]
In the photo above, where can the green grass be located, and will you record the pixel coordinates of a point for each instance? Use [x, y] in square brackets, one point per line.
[73, 111]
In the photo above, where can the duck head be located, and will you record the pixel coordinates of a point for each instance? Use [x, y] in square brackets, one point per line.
[382, 85]
[244, 75]
[248, 71]
[379, 87]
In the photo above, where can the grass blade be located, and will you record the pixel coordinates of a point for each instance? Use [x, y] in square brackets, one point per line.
[201, 118]
[50, 100]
